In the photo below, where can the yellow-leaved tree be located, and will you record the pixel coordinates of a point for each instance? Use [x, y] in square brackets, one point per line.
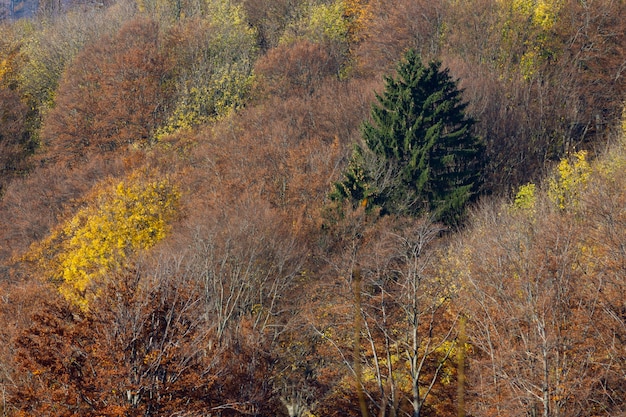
[339, 25]
[358, 14]
[527, 33]
[122, 219]
[569, 181]
[212, 54]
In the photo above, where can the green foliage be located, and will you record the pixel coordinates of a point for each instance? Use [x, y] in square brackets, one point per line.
[358, 185]
[421, 155]
[123, 219]
[253, 277]
[569, 181]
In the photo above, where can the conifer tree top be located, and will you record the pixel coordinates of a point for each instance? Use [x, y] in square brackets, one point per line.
[420, 156]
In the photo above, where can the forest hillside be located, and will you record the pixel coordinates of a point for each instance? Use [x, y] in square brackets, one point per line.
[313, 208]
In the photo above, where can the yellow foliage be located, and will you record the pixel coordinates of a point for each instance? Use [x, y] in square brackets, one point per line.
[215, 67]
[545, 13]
[4, 68]
[527, 32]
[320, 22]
[10, 62]
[47, 48]
[528, 64]
[151, 357]
[338, 21]
[358, 14]
[589, 258]
[123, 219]
[11, 57]
[615, 160]
[209, 102]
[569, 181]
[526, 198]
[226, 13]
[450, 349]
[328, 20]
[521, 7]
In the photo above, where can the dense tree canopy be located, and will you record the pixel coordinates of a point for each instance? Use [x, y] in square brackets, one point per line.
[165, 237]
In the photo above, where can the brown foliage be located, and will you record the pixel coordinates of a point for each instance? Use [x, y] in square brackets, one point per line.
[397, 26]
[605, 225]
[52, 354]
[594, 35]
[284, 151]
[17, 302]
[249, 260]
[111, 96]
[382, 276]
[543, 313]
[153, 339]
[186, 333]
[568, 102]
[270, 18]
[521, 139]
[141, 349]
[297, 69]
[15, 144]
[250, 308]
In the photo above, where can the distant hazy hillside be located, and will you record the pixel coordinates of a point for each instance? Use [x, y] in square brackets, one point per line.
[16, 9]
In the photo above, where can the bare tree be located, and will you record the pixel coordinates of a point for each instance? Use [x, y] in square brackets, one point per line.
[408, 326]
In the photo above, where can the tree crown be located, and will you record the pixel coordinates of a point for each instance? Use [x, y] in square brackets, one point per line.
[420, 154]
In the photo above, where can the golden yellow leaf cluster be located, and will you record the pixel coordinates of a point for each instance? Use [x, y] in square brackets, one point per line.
[122, 219]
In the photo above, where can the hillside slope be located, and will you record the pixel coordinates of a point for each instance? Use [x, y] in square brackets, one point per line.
[168, 244]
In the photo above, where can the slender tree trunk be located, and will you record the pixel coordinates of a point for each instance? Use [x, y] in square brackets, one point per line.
[356, 276]
[460, 396]
[415, 367]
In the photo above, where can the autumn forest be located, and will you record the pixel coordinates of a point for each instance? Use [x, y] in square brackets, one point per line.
[311, 208]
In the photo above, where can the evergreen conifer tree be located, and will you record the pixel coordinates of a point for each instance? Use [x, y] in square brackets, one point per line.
[420, 154]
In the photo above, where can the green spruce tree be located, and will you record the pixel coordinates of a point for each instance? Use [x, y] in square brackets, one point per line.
[420, 154]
